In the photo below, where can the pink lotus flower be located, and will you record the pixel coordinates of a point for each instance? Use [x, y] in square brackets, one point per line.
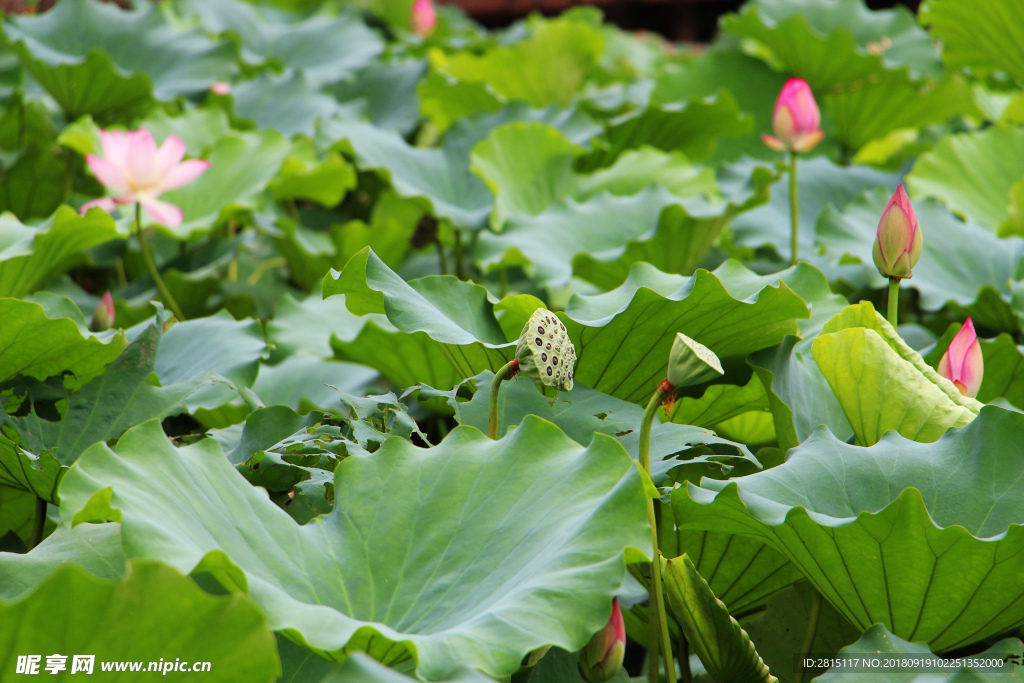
[796, 120]
[898, 240]
[103, 316]
[137, 171]
[602, 657]
[962, 363]
[220, 88]
[424, 17]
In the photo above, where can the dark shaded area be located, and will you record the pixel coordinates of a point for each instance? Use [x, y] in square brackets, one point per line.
[677, 20]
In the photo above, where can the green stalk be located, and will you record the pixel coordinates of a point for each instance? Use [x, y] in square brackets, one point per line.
[39, 524]
[894, 300]
[492, 412]
[794, 208]
[812, 630]
[657, 618]
[147, 256]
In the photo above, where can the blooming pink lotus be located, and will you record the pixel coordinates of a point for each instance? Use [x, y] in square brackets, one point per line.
[424, 17]
[134, 168]
[962, 363]
[796, 120]
[602, 657]
[898, 240]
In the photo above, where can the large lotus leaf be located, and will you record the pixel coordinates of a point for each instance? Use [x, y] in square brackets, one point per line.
[305, 383]
[546, 68]
[959, 264]
[105, 407]
[520, 561]
[441, 176]
[39, 474]
[142, 56]
[583, 412]
[877, 642]
[833, 43]
[34, 345]
[684, 235]
[718, 403]
[324, 47]
[982, 38]
[306, 327]
[779, 632]
[361, 668]
[386, 93]
[30, 256]
[34, 185]
[198, 128]
[883, 384]
[995, 157]
[721, 643]
[444, 99]
[571, 121]
[527, 166]
[1003, 363]
[821, 183]
[931, 526]
[689, 127]
[94, 547]
[104, 619]
[862, 112]
[638, 168]
[287, 103]
[241, 166]
[623, 337]
[445, 324]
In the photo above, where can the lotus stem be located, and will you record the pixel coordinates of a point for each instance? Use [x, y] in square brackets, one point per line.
[794, 209]
[894, 300]
[507, 371]
[39, 524]
[657, 618]
[812, 630]
[147, 256]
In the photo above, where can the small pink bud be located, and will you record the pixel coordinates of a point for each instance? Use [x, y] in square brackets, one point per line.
[898, 241]
[103, 316]
[424, 17]
[962, 363]
[796, 120]
[220, 88]
[602, 657]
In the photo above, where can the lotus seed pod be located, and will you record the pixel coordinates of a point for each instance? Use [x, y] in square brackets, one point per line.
[545, 351]
[692, 363]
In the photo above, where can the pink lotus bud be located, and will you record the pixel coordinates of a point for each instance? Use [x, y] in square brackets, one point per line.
[962, 363]
[424, 18]
[796, 120]
[898, 242]
[220, 88]
[103, 316]
[602, 657]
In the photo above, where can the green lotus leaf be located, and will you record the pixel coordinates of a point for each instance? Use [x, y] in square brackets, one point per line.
[548, 67]
[982, 196]
[444, 99]
[962, 263]
[929, 525]
[288, 104]
[101, 618]
[46, 347]
[198, 128]
[304, 383]
[583, 412]
[779, 632]
[834, 43]
[721, 643]
[324, 47]
[981, 39]
[143, 56]
[527, 166]
[94, 547]
[883, 384]
[30, 256]
[623, 337]
[1003, 363]
[441, 176]
[34, 185]
[690, 127]
[821, 183]
[361, 668]
[420, 584]
[386, 93]
[877, 641]
[646, 165]
[303, 176]
[718, 403]
[39, 474]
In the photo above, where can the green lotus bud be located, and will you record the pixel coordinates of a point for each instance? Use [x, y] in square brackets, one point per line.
[691, 363]
[545, 352]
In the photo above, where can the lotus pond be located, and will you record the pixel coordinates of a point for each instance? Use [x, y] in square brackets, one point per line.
[357, 342]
